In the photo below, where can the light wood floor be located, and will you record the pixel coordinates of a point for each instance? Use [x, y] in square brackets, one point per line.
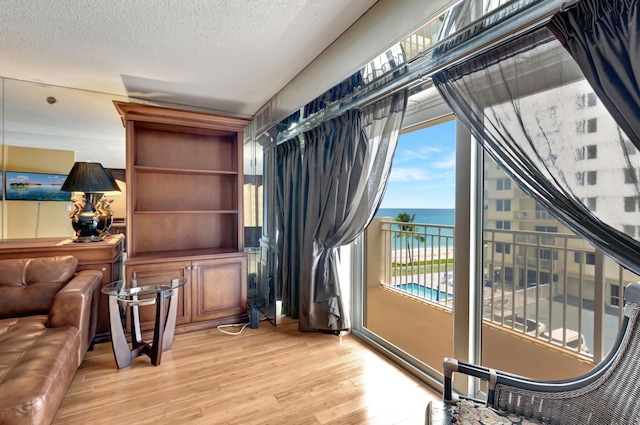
[262, 376]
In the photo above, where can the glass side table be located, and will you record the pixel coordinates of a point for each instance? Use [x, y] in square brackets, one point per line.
[135, 293]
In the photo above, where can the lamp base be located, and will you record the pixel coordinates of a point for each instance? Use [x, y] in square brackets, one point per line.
[91, 227]
[91, 238]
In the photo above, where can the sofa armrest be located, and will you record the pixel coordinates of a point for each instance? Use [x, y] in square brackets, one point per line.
[76, 304]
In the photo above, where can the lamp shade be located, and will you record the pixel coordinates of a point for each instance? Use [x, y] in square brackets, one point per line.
[89, 177]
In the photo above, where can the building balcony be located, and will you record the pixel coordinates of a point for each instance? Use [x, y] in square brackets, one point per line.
[544, 309]
[532, 215]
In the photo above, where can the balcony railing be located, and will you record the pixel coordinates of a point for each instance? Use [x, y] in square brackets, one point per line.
[420, 260]
[553, 287]
[423, 38]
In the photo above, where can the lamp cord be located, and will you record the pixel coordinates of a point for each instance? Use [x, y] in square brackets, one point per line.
[244, 325]
[37, 219]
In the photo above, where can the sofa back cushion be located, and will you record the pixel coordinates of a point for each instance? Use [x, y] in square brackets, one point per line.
[27, 285]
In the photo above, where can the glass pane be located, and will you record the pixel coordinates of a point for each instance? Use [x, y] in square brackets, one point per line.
[410, 280]
[539, 286]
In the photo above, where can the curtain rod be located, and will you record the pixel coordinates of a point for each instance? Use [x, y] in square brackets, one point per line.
[419, 76]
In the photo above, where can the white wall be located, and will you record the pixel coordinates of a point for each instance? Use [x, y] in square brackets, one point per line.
[385, 24]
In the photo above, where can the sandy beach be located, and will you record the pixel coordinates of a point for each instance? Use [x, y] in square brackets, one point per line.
[421, 254]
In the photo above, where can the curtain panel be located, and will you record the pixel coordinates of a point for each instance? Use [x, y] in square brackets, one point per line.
[347, 162]
[289, 220]
[603, 36]
[331, 181]
[530, 107]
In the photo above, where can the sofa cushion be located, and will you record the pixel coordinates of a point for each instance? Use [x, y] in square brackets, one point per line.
[27, 286]
[37, 365]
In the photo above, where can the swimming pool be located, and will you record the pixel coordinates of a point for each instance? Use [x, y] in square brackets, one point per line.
[424, 292]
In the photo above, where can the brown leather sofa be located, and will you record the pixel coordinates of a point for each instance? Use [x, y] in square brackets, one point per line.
[48, 314]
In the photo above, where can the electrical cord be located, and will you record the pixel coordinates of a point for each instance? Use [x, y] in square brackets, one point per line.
[244, 325]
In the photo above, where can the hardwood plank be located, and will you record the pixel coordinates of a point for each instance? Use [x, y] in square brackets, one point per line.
[262, 376]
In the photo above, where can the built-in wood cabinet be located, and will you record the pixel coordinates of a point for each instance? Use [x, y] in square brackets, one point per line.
[215, 292]
[184, 209]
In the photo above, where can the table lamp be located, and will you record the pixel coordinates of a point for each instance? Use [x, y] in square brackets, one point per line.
[90, 223]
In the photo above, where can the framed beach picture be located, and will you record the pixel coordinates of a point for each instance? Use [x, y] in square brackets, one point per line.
[21, 186]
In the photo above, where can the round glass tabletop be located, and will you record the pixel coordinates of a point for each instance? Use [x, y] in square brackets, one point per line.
[127, 288]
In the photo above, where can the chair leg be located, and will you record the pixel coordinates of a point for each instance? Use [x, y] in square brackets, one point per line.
[427, 416]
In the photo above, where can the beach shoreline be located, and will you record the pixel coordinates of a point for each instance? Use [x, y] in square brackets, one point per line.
[421, 254]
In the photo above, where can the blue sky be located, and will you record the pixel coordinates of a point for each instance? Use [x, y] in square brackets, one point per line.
[423, 171]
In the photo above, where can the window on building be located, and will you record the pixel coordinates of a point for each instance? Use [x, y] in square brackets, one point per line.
[630, 175]
[503, 248]
[550, 229]
[547, 254]
[630, 148]
[592, 152]
[614, 299]
[589, 257]
[591, 203]
[503, 205]
[589, 99]
[580, 178]
[592, 177]
[508, 274]
[503, 184]
[592, 125]
[503, 224]
[544, 239]
[630, 203]
[630, 230]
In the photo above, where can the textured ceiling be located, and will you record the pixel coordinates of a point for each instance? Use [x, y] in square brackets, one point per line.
[230, 56]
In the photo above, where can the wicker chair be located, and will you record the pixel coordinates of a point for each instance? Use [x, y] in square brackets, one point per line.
[608, 394]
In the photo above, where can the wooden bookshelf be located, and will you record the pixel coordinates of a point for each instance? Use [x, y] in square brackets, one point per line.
[184, 208]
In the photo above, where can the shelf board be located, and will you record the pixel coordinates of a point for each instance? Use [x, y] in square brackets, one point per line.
[169, 170]
[188, 212]
[183, 254]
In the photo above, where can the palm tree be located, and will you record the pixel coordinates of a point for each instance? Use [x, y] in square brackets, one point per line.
[408, 231]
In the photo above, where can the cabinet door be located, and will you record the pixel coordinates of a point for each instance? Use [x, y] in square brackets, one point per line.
[219, 288]
[161, 274]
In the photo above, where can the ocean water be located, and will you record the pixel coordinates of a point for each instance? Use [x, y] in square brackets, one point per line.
[441, 216]
[426, 216]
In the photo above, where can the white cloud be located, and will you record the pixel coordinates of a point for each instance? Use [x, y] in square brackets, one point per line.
[448, 163]
[399, 174]
[422, 153]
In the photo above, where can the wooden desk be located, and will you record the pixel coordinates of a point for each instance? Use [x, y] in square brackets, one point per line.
[106, 256]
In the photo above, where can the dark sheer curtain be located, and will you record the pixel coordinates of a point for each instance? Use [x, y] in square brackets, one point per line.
[330, 184]
[289, 222]
[528, 104]
[603, 36]
[346, 164]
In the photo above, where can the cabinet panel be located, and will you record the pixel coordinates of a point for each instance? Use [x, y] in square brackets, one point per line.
[219, 288]
[161, 274]
[214, 192]
[187, 231]
[200, 152]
